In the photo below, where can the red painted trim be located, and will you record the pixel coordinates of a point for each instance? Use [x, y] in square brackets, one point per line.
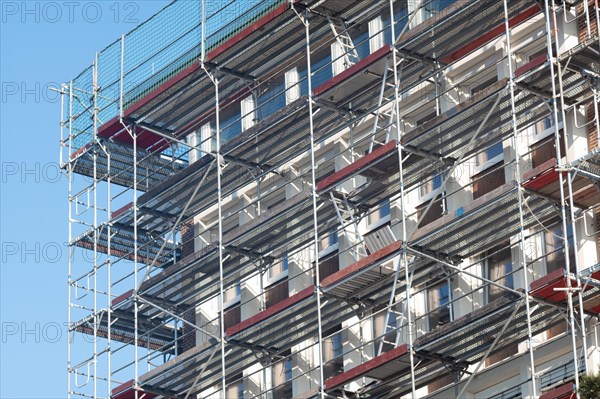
[539, 169]
[121, 298]
[562, 392]
[271, 311]
[81, 150]
[364, 368]
[543, 180]
[487, 37]
[123, 387]
[537, 61]
[127, 391]
[547, 279]
[121, 210]
[353, 70]
[247, 32]
[541, 176]
[362, 264]
[359, 164]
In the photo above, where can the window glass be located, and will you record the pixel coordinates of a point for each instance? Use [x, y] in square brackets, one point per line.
[438, 299]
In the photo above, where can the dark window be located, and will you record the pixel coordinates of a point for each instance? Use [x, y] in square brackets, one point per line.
[438, 301]
[329, 265]
[499, 270]
[333, 349]
[545, 150]
[434, 213]
[276, 293]
[554, 248]
[232, 316]
[488, 180]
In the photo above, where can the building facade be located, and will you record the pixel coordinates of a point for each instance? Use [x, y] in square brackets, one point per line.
[349, 199]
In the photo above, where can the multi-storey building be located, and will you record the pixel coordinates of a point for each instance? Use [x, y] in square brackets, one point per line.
[335, 198]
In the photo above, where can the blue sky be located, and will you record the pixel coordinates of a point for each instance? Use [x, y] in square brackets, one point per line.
[42, 42]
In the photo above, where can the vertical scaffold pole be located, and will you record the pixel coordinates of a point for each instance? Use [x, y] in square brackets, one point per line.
[220, 216]
[515, 145]
[135, 265]
[96, 229]
[70, 238]
[314, 205]
[404, 253]
[551, 30]
[215, 81]
[571, 212]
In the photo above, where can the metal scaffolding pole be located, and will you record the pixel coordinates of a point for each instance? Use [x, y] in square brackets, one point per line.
[403, 199]
[69, 167]
[319, 293]
[515, 131]
[552, 31]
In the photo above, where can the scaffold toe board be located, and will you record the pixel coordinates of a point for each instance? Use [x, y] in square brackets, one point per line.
[370, 278]
[127, 390]
[566, 391]
[382, 367]
[489, 219]
[553, 288]
[365, 74]
[545, 179]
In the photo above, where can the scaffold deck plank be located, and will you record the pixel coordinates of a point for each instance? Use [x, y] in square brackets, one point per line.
[489, 219]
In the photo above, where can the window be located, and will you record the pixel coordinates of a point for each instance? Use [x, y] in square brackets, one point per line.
[276, 293]
[328, 265]
[435, 212]
[278, 268]
[380, 215]
[292, 86]
[499, 270]
[488, 180]
[433, 7]
[430, 185]
[555, 259]
[438, 304]
[333, 349]
[282, 374]
[235, 386]
[376, 36]
[491, 155]
[554, 248]
[545, 149]
[248, 106]
[231, 126]
[272, 97]
[232, 306]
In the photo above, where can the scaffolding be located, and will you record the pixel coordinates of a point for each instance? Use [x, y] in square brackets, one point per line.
[322, 198]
